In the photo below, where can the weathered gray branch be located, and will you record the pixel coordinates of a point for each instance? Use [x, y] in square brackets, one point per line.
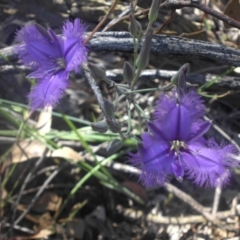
[226, 82]
[161, 45]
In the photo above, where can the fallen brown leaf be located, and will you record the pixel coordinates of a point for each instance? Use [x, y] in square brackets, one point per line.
[45, 221]
[27, 149]
[41, 234]
[47, 202]
[67, 153]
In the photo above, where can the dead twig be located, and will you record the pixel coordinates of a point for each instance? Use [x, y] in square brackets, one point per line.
[177, 4]
[185, 198]
[102, 21]
[159, 30]
[193, 203]
[137, 214]
[40, 191]
[116, 20]
[27, 179]
[216, 200]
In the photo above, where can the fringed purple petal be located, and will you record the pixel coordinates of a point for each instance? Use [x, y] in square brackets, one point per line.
[75, 52]
[163, 105]
[48, 91]
[194, 103]
[191, 101]
[36, 48]
[153, 159]
[209, 165]
[43, 72]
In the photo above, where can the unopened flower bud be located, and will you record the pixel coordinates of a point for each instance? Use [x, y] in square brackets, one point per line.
[108, 108]
[96, 72]
[100, 126]
[180, 78]
[135, 27]
[128, 73]
[114, 125]
[114, 146]
[153, 13]
[143, 57]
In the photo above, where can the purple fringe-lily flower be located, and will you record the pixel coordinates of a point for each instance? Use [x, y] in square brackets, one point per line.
[51, 59]
[175, 145]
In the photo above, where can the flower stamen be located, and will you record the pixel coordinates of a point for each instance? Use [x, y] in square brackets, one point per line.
[61, 63]
[176, 145]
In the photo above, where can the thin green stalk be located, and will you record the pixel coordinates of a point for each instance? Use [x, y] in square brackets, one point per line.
[129, 118]
[9, 118]
[149, 26]
[141, 111]
[165, 88]
[215, 96]
[84, 143]
[10, 104]
[8, 133]
[112, 183]
[136, 78]
[210, 83]
[75, 211]
[116, 100]
[9, 174]
[74, 129]
[29, 131]
[85, 178]
[144, 90]
[136, 46]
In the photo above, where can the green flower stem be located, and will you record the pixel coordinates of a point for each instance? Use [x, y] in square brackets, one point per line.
[139, 109]
[149, 25]
[144, 90]
[84, 143]
[116, 100]
[123, 85]
[122, 135]
[165, 88]
[210, 83]
[136, 47]
[136, 78]
[214, 96]
[108, 81]
[129, 118]
[135, 53]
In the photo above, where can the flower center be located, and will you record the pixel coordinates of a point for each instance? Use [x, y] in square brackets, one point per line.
[176, 145]
[61, 63]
